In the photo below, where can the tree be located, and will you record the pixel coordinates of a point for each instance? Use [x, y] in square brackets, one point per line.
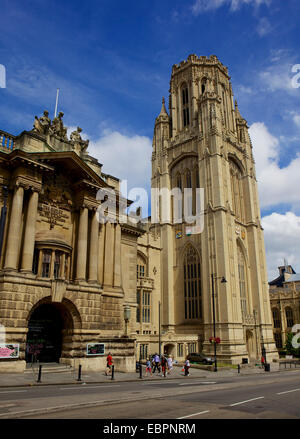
[290, 350]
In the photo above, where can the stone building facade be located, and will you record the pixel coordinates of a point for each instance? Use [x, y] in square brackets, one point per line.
[67, 281]
[285, 303]
[203, 142]
[64, 279]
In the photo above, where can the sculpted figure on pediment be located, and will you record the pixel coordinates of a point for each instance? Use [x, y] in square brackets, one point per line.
[58, 129]
[41, 125]
[79, 145]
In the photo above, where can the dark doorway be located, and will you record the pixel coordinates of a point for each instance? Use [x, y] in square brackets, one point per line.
[44, 337]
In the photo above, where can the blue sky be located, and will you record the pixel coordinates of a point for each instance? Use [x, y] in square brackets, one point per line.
[112, 62]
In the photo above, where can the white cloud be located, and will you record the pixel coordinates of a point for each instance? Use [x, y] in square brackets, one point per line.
[278, 76]
[276, 185]
[208, 5]
[264, 27]
[125, 157]
[282, 241]
[296, 118]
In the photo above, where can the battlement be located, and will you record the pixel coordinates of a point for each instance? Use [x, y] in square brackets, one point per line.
[200, 60]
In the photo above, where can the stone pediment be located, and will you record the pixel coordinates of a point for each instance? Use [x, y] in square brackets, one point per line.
[73, 166]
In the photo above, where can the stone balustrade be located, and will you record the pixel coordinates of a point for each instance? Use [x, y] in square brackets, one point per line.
[7, 141]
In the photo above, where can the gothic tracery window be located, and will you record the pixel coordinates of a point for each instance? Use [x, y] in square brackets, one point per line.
[192, 285]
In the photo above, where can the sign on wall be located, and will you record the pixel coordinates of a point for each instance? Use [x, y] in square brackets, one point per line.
[9, 350]
[95, 349]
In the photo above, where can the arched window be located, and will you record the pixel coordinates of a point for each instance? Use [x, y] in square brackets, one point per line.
[289, 317]
[188, 179]
[141, 268]
[242, 281]
[192, 285]
[276, 318]
[237, 190]
[185, 105]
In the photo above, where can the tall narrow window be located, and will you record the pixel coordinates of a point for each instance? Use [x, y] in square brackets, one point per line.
[46, 263]
[57, 264]
[242, 281]
[289, 317]
[276, 318]
[192, 285]
[185, 106]
[146, 307]
[237, 190]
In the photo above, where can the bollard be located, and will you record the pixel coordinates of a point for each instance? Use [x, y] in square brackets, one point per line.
[40, 374]
[141, 371]
[239, 368]
[112, 372]
[79, 373]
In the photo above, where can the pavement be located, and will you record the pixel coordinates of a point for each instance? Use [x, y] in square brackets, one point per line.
[70, 376]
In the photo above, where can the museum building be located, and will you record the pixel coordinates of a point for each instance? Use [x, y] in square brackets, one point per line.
[73, 288]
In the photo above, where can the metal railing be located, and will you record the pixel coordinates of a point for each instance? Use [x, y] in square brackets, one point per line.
[289, 364]
[7, 141]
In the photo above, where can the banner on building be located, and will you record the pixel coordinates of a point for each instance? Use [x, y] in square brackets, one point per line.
[9, 350]
[95, 349]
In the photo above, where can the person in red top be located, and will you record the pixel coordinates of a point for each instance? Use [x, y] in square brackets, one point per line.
[109, 363]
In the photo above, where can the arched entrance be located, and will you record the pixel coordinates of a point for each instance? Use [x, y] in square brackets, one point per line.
[169, 349]
[47, 326]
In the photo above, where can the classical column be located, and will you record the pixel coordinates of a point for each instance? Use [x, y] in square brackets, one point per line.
[29, 238]
[82, 244]
[109, 255]
[14, 235]
[117, 267]
[101, 242]
[93, 263]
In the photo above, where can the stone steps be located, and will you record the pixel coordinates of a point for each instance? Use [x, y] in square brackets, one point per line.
[48, 368]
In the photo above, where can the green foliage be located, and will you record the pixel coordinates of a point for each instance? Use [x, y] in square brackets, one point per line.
[290, 350]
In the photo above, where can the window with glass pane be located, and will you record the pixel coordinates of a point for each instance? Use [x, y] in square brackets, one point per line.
[46, 263]
[35, 264]
[146, 307]
[138, 309]
[289, 317]
[276, 318]
[192, 285]
[57, 264]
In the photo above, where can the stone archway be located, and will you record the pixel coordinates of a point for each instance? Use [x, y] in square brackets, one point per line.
[50, 331]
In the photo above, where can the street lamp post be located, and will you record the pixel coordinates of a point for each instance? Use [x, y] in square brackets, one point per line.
[159, 341]
[223, 280]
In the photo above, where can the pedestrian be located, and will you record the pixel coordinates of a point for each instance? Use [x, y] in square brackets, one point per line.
[148, 367]
[163, 365]
[157, 363]
[262, 361]
[170, 364]
[187, 367]
[109, 363]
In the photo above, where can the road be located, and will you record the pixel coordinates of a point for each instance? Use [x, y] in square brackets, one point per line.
[268, 396]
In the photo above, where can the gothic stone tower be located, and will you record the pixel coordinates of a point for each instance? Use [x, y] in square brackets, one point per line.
[204, 142]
